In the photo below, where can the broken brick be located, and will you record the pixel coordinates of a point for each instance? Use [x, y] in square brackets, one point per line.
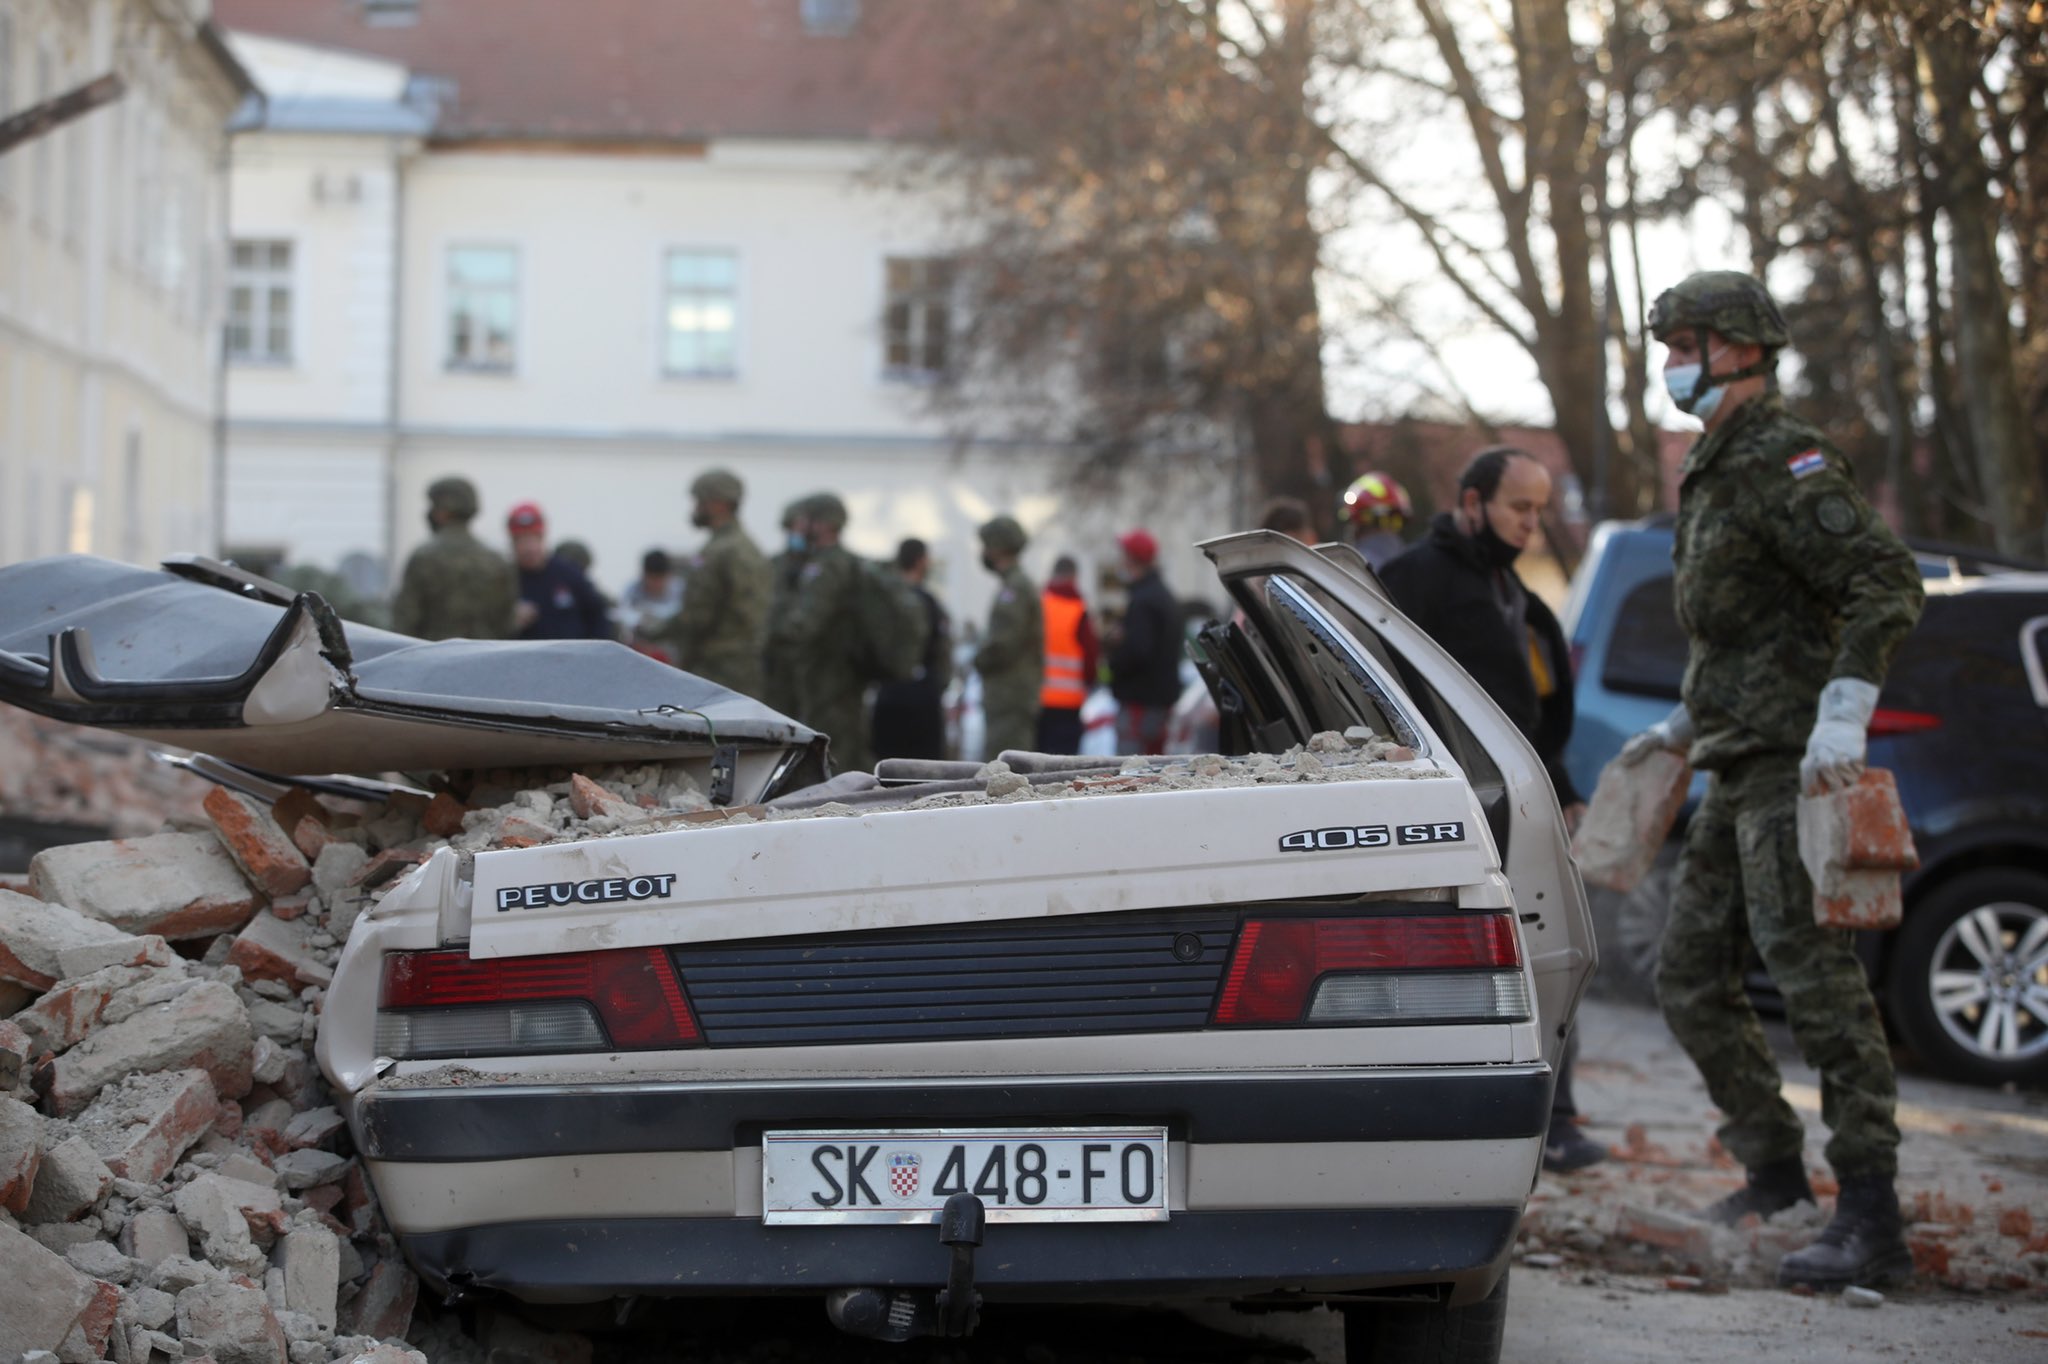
[271, 948]
[2017, 1223]
[34, 935]
[443, 816]
[386, 865]
[304, 820]
[143, 1125]
[1664, 1230]
[174, 885]
[384, 1306]
[21, 1153]
[263, 852]
[205, 1028]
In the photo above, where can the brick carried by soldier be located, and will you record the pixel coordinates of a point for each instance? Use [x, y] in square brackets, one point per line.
[1794, 597]
[455, 586]
[719, 632]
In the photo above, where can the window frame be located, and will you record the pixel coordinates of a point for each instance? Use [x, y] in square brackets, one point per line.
[451, 363]
[920, 300]
[668, 294]
[265, 280]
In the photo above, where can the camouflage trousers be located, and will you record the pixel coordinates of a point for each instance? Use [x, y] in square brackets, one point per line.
[1012, 723]
[1740, 882]
[843, 715]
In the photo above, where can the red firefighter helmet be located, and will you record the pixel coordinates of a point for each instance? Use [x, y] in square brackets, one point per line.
[1375, 502]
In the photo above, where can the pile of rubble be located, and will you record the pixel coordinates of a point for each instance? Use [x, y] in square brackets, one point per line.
[1634, 1215]
[60, 773]
[175, 1182]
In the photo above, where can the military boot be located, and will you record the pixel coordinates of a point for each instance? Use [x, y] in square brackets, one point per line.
[1771, 1188]
[1864, 1244]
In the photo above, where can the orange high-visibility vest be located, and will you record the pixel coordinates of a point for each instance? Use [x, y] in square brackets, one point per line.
[1065, 688]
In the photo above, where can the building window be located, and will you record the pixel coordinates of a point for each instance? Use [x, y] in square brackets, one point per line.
[391, 13]
[831, 18]
[260, 303]
[917, 323]
[483, 305]
[701, 321]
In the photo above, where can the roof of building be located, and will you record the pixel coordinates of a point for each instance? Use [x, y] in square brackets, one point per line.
[635, 70]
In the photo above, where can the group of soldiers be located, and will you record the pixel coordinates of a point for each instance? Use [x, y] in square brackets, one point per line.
[807, 631]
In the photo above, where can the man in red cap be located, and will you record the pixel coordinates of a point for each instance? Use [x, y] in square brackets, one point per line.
[1145, 650]
[555, 600]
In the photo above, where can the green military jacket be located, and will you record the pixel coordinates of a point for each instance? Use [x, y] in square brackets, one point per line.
[1011, 659]
[1785, 579]
[719, 633]
[822, 624]
[778, 649]
[455, 587]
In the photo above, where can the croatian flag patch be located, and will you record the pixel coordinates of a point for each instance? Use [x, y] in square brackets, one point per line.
[1811, 462]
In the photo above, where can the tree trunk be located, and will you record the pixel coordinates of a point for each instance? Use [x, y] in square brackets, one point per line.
[2009, 469]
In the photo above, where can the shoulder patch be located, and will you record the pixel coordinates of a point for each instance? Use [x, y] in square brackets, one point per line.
[1835, 514]
[1807, 462]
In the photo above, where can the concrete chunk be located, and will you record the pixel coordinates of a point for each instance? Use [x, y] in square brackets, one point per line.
[211, 1209]
[102, 1260]
[312, 1128]
[71, 1182]
[44, 1296]
[120, 950]
[21, 1153]
[304, 1169]
[311, 1260]
[232, 1323]
[66, 1015]
[34, 935]
[144, 1124]
[153, 1236]
[336, 868]
[173, 885]
[205, 1028]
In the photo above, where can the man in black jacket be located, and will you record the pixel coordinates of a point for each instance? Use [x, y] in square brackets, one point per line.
[1144, 650]
[1459, 584]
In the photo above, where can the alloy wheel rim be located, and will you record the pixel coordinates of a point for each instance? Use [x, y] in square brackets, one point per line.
[1988, 981]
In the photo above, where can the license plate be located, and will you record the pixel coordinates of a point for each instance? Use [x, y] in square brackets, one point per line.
[1046, 1174]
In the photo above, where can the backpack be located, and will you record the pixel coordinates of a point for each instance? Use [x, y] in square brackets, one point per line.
[889, 621]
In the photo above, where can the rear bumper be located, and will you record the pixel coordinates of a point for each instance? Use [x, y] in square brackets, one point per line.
[531, 1121]
[1312, 1252]
[1319, 1183]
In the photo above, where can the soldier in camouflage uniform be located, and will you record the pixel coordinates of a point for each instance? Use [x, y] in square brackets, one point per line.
[778, 650]
[1794, 596]
[719, 632]
[823, 636]
[455, 586]
[1011, 659]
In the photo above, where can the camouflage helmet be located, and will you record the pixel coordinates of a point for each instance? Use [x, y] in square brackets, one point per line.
[796, 512]
[1725, 301]
[825, 509]
[456, 496]
[718, 485]
[1003, 535]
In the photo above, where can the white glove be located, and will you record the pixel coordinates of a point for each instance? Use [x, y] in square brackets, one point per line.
[1834, 751]
[1673, 732]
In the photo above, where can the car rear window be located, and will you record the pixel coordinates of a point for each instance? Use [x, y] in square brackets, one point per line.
[1646, 653]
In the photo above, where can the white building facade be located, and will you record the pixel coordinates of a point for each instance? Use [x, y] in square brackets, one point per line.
[111, 230]
[589, 325]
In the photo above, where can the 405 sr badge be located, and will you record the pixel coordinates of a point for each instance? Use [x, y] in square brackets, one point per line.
[1344, 837]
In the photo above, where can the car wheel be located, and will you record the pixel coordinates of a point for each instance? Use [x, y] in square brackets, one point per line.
[1427, 1332]
[1630, 928]
[1968, 983]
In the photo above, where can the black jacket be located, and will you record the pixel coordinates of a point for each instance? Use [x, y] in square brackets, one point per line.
[1144, 666]
[1445, 584]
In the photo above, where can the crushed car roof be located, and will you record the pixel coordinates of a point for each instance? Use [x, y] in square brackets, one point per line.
[205, 656]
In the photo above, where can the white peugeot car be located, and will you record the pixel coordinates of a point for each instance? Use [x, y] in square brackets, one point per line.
[1275, 1028]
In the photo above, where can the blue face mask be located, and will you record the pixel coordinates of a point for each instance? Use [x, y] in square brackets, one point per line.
[1679, 381]
[796, 541]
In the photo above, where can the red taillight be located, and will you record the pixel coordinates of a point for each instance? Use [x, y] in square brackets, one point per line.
[633, 989]
[1884, 722]
[1277, 962]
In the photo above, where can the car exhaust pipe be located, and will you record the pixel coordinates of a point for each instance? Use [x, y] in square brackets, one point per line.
[955, 1310]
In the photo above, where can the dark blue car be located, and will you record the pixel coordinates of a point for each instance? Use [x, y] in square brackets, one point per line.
[1962, 722]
